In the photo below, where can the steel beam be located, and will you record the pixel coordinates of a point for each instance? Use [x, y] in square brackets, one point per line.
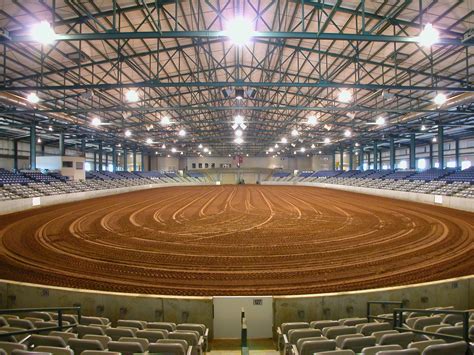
[375, 155]
[15, 154]
[33, 146]
[392, 153]
[100, 156]
[456, 153]
[413, 151]
[441, 147]
[341, 158]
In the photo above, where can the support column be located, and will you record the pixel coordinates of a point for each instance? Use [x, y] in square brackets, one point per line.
[375, 156]
[441, 146]
[413, 151]
[62, 150]
[95, 161]
[431, 156]
[341, 158]
[351, 158]
[143, 160]
[368, 159]
[380, 159]
[106, 161]
[456, 153]
[149, 163]
[361, 158]
[114, 159]
[134, 160]
[33, 146]
[392, 153]
[100, 156]
[125, 162]
[334, 160]
[15, 154]
[83, 146]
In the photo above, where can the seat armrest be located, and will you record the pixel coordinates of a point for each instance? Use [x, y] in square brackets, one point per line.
[190, 350]
[278, 330]
[295, 350]
[285, 339]
[200, 341]
[206, 333]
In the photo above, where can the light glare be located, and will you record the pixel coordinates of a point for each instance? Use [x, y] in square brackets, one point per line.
[428, 36]
[43, 33]
[239, 30]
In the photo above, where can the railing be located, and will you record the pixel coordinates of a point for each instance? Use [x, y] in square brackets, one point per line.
[370, 303]
[60, 325]
[398, 323]
[243, 333]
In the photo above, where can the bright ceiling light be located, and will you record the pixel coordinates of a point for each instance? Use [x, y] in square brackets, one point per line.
[327, 140]
[238, 133]
[294, 133]
[43, 33]
[284, 140]
[440, 99]
[173, 150]
[163, 146]
[270, 150]
[210, 153]
[423, 127]
[238, 140]
[238, 119]
[313, 146]
[156, 153]
[132, 96]
[320, 152]
[239, 30]
[302, 149]
[128, 133]
[96, 121]
[434, 140]
[39, 140]
[356, 144]
[206, 150]
[276, 146]
[428, 36]
[50, 128]
[347, 133]
[345, 96]
[200, 146]
[312, 120]
[380, 121]
[149, 141]
[165, 120]
[182, 133]
[33, 98]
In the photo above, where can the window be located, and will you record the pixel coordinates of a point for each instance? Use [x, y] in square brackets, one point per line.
[67, 164]
[88, 166]
[421, 164]
[194, 165]
[206, 165]
[403, 164]
[451, 164]
[436, 165]
[213, 165]
[200, 165]
[79, 165]
[465, 164]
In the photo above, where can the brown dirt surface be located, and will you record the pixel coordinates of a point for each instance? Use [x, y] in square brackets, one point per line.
[236, 240]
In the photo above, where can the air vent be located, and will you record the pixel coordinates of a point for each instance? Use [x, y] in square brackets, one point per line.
[76, 57]
[397, 57]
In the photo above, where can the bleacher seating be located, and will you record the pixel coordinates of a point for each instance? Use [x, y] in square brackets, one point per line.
[466, 175]
[432, 174]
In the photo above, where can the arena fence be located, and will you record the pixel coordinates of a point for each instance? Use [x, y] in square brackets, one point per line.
[383, 303]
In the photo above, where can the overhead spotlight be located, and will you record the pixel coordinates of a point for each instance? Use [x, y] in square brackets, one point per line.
[302, 149]
[239, 94]
[423, 127]
[200, 146]
[50, 128]
[293, 145]
[206, 150]
[96, 121]
[156, 153]
[165, 120]
[276, 146]
[238, 133]
[132, 96]
[284, 140]
[43, 33]
[440, 99]
[266, 152]
[347, 133]
[313, 146]
[294, 152]
[32, 98]
[128, 133]
[428, 36]
[327, 127]
[173, 150]
[149, 141]
[356, 144]
[238, 140]
[238, 120]
[39, 140]
[320, 152]
[209, 153]
[345, 96]
[312, 120]
[239, 31]
[380, 121]
[351, 115]
[294, 133]
[149, 127]
[247, 155]
[163, 146]
[182, 133]
[327, 140]
[434, 140]
[271, 150]
[182, 153]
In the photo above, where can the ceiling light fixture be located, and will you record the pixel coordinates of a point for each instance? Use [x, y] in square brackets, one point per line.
[294, 133]
[43, 33]
[380, 121]
[165, 120]
[428, 36]
[128, 133]
[238, 140]
[312, 120]
[33, 98]
[345, 96]
[182, 133]
[327, 140]
[149, 141]
[173, 150]
[239, 30]
[347, 133]
[238, 133]
[440, 99]
[132, 96]
[284, 140]
[96, 121]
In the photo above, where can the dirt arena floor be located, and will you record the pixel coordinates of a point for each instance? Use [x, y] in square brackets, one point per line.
[236, 240]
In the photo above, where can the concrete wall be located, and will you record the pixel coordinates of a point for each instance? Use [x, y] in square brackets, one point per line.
[109, 304]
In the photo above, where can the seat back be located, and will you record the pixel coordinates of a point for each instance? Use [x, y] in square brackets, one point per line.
[143, 342]
[117, 333]
[368, 329]
[373, 350]
[200, 328]
[400, 352]
[47, 340]
[131, 323]
[83, 330]
[64, 335]
[421, 345]
[170, 327]
[190, 337]
[285, 327]
[295, 334]
[379, 334]
[54, 350]
[152, 335]
[457, 331]
[321, 324]
[126, 347]
[354, 321]
[335, 352]
[167, 348]
[333, 332]
[340, 338]
[87, 320]
[104, 339]
[402, 339]
[9, 347]
[452, 319]
[21, 323]
[357, 344]
[79, 345]
[94, 352]
[42, 315]
[424, 322]
[459, 347]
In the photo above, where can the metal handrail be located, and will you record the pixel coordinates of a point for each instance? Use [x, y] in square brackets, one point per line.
[369, 303]
[398, 323]
[60, 325]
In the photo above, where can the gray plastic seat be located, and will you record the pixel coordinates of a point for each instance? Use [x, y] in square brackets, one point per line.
[170, 327]
[43, 315]
[421, 345]
[333, 332]
[131, 323]
[79, 345]
[321, 324]
[368, 329]
[459, 347]
[356, 344]
[456, 331]
[54, 350]
[9, 347]
[419, 324]
[167, 348]
[47, 340]
[117, 333]
[21, 323]
[201, 328]
[379, 334]
[126, 347]
[309, 347]
[104, 339]
[64, 335]
[402, 339]
[143, 342]
[354, 321]
[340, 338]
[373, 350]
[295, 334]
[152, 335]
[400, 352]
[83, 330]
[336, 352]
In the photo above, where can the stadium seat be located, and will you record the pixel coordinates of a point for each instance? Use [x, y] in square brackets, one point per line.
[98, 352]
[161, 325]
[399, 352]
[333, 332]
[459, 347]
[103, 339]
[373, 350]
[368, 329]
[79, 345]
[117, 333]
[152, 335]
[54, 350]
[64, 335]
[143, 342]
[47, 340]
[357, 344]
[336, 352]
[340, 338]
[309, 347]
[9, 347]
[421, 345]
[167, 348]
[89, 329]
[126, 348]
[402, 339]
[321, 324]
[191, 338]
[131, 323]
